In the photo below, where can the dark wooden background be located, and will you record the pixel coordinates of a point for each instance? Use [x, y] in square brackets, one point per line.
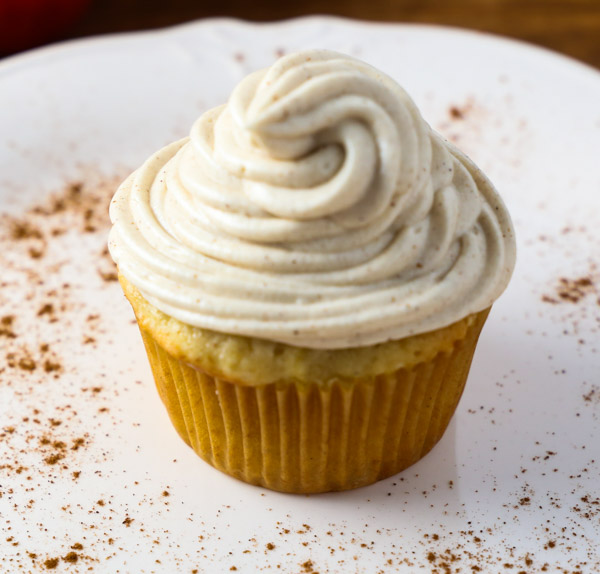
[568, 26]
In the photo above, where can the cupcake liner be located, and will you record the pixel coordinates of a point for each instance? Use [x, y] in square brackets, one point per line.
[307, 438]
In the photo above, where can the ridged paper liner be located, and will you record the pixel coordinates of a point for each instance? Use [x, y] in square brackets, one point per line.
[306, 438]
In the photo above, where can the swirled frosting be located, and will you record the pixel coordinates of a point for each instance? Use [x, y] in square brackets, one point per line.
[316, 208]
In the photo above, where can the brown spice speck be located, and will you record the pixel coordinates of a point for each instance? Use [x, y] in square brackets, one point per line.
[24, 230]
[27, 364]
[54, 458]
[456, 113]
[588, 397]
[77, 443]
[51, 563]
[46, 309]
[51, 366]
[570, 290]
[71, 557]
[6, 327]
[108, 276]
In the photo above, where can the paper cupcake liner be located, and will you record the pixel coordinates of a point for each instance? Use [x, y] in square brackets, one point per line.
[308, 438]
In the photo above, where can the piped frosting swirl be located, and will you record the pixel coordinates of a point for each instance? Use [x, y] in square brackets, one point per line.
[317, 208]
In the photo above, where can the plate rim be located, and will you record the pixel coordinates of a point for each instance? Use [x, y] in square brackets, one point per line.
[58, 49]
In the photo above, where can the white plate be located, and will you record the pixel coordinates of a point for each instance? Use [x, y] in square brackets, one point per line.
[515, 480]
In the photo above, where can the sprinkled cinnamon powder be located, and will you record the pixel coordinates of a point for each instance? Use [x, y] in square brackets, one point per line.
[20, 230]
[51, 563]
[39, 314]
[53, 458]
[6, 327]
[571, 290]
[71, 557]
[456, 113]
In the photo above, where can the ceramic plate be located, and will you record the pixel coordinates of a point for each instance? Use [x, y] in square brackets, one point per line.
[92, 475]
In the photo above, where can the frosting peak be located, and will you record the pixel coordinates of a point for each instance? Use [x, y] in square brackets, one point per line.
[316, 208]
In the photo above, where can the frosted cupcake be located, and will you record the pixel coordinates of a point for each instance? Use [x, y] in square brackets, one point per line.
[310, 271]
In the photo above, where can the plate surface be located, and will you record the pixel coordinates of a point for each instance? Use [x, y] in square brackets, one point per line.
[92, 475]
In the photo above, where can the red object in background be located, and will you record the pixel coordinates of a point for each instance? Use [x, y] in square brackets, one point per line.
[28, 23]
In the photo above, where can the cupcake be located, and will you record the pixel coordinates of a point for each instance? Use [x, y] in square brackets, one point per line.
[310, 271]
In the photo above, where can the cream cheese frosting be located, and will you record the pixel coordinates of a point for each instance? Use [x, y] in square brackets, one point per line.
[316, 208]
